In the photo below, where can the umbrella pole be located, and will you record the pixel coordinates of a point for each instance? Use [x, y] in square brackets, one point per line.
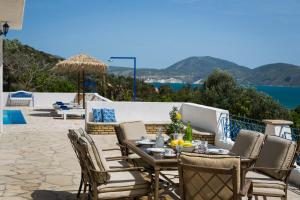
[83, 89]
[78, 87]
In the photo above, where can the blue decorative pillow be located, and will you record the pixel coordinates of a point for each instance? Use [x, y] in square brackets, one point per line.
[108, 115]
[97, 115]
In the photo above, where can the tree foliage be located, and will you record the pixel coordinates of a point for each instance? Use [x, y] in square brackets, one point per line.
[221, 90]
[28, 69]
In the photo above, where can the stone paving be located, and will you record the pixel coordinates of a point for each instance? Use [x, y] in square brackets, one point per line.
[37, 161]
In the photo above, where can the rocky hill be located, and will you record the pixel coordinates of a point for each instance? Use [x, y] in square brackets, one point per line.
[194, 69]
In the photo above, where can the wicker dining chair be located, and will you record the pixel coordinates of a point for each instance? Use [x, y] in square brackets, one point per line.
[106, 183]
[134, 130]
[209, 177]
[248, 144]
[74, 136]
[273, 167]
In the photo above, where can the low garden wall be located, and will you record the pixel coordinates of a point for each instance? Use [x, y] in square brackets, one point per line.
[155, 116]
[111, 129]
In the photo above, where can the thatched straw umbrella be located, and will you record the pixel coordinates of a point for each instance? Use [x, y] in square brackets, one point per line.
[80, 64]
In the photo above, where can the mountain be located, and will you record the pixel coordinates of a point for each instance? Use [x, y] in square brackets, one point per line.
[197, 68]
[282, 74]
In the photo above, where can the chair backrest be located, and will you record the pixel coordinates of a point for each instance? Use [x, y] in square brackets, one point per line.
[209, 177]
[277, 153]
[132, 130]
[91, 156]
[74, 137]
[248, 144]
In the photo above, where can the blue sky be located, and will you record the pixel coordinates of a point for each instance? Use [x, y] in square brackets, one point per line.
[161, 32]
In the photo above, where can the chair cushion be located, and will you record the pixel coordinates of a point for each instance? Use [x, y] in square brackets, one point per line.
[173, 175]
[211, 161]
[276, 153]
[260, 180]
[248, 143]
[117, 164]
[108, 115]
[268, 192]
[133, 130]
[123, 184]
[97, 115]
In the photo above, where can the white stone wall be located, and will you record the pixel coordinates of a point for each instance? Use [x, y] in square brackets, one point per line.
[208, 119]
[45, 100]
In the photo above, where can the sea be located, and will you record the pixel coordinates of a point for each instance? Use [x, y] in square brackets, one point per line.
[289, 97]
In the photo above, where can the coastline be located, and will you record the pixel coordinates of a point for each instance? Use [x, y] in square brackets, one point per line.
[288, 96]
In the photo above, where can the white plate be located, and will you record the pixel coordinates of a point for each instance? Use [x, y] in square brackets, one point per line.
[170, 155]
[156, 150]
[218, 151]
[145, 142]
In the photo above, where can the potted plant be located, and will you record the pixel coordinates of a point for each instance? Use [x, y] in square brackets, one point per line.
[176, 125]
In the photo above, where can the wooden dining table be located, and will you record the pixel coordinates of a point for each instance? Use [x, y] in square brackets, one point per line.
[159, 163]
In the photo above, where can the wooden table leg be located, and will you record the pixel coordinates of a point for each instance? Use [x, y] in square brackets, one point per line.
[156, 183]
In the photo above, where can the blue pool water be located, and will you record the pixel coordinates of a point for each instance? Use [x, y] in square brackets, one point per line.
[13, 117]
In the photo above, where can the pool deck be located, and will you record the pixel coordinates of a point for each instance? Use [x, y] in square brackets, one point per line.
[37, 161]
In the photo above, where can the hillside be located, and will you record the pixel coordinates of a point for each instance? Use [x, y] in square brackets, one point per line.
[275, 74]
[195, 68]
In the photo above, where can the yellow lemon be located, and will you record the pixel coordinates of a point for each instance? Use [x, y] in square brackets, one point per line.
[178, 116]
[180, 142]
[174, 142]
[187, 144]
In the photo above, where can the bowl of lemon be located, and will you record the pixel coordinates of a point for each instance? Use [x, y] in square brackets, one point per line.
[187, 146]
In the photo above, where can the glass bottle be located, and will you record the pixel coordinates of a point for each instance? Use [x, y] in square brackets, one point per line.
[189, 132]
[159, 143]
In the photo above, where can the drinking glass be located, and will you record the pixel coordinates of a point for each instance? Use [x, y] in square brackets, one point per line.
[205, 145]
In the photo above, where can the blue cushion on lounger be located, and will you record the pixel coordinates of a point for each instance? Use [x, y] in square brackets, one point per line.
[108, 115]
[64, 108]
[59, 103]
[97, 115]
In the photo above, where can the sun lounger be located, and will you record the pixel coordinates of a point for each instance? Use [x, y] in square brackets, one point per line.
[64, 111]
[58, 104]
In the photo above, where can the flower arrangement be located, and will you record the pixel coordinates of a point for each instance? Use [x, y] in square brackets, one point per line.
[176, 125]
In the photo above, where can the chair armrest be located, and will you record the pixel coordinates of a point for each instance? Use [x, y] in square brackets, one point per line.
[126, 169]
[111, 149]
[118, 170]
[269, 168]
[121, 145]
[117, 158]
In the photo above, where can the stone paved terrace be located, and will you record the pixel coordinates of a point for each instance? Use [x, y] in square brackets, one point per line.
[37, 161]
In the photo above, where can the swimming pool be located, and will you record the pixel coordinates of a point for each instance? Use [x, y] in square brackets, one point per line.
[13, 117]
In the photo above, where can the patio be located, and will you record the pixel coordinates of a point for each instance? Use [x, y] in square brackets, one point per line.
[38, 162]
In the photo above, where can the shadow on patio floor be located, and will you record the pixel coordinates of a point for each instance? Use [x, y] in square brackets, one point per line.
[53, 195]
